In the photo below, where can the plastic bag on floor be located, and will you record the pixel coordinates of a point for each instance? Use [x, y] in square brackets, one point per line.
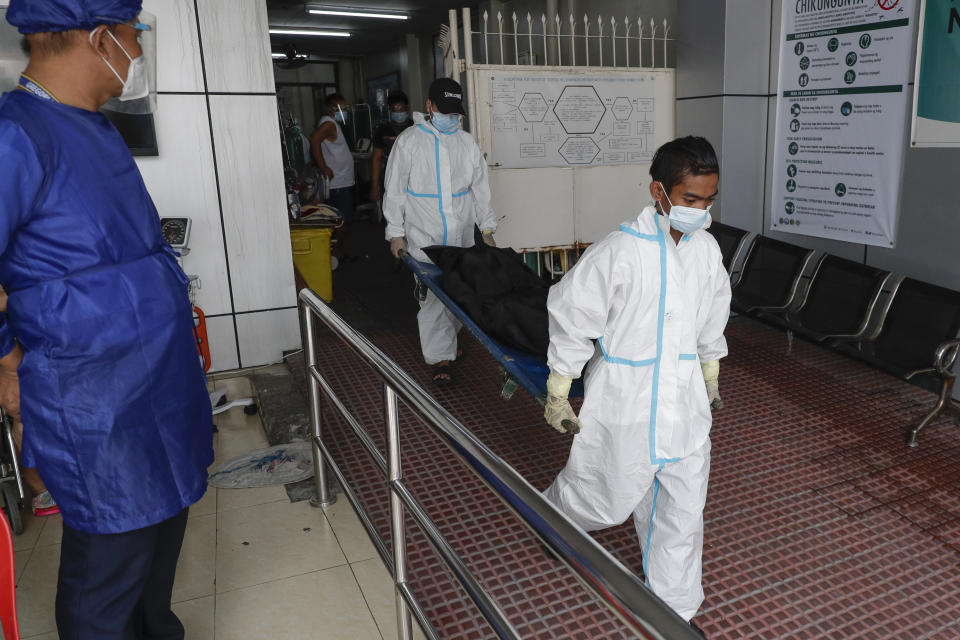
[280, 464]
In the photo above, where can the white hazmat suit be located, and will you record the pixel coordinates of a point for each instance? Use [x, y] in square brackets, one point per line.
[656, 309]
[436, 189]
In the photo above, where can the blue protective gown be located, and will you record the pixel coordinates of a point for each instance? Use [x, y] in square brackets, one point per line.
[113, 397]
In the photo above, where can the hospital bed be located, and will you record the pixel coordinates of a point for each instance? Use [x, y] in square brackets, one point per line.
[520, 368]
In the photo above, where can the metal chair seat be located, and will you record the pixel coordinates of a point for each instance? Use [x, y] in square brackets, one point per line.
[731, 241]
[770, 276]
[839, 300]
[916, 339]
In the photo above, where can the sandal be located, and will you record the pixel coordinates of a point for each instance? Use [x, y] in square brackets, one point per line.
[442, 374]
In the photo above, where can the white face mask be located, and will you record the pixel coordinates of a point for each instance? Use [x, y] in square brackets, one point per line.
[445, 122]
[136, 85]
[686, 219]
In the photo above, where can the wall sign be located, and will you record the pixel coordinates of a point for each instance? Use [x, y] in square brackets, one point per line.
[841, 118]
[936, 103]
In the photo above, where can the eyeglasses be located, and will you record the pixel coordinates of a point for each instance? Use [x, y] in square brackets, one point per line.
[133, 24]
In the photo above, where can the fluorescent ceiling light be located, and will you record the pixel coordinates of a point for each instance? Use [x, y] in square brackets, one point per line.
[309, 32]
[356, 13]
[283, 56]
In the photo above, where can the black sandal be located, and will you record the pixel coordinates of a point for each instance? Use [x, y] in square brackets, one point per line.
[442, 374]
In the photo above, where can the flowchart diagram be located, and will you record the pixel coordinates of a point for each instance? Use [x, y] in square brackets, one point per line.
[574, 120]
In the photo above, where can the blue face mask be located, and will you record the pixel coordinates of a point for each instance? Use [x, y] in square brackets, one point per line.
[446, 122]
[686, 219]
[399, 117]
[340, 117]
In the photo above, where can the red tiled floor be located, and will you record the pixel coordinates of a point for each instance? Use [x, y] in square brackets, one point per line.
[820, 522]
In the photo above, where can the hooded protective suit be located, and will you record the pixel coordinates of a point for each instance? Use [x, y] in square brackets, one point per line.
[113, 397]
[656, 309]
[436, 190]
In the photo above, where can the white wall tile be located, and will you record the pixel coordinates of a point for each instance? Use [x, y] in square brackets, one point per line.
[699, 45]
[178, 46]
[625, 189]
[776, 16]
[182, 182]
[223, 343]
[264, 336]
[12, 59]
[701, 117]
[534, 207]
[747, 37]
[236, 45]
[742, 157]
[254, 201]
[927, 232]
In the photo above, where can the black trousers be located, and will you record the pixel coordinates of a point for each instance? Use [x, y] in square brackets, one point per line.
[118, 586]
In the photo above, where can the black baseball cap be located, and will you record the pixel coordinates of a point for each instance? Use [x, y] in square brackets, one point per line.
[447, 95]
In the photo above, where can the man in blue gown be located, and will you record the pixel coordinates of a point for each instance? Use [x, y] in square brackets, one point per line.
[98, 353]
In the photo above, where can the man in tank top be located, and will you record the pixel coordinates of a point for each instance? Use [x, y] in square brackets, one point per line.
[332, 155]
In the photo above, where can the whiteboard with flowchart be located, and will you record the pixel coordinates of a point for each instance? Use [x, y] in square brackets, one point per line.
[569, 148]
[580, 119]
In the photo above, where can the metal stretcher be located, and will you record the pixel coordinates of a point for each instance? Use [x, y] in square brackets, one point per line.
[520, 368]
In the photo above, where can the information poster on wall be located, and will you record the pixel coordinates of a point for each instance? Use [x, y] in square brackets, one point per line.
[841, 118]
[572, 120]
[936, 103]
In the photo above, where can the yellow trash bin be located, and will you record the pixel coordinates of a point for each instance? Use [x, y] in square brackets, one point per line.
[311, 254]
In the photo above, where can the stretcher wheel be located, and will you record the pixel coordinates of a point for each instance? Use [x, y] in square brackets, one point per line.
[11, 501]
[251, 409]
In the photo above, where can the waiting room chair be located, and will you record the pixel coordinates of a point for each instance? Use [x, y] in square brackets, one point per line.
[770, 276]
[731, 241]
[8, 585]
[839, 300]
[916, 340]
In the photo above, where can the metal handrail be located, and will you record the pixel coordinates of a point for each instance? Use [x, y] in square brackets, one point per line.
[616, 587]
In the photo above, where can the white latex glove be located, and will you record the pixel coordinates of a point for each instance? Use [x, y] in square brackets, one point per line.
[557, 411]
[488, 238]
[711, 376]
[397, 245]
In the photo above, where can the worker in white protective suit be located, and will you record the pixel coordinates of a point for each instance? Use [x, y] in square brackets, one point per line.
[645, 310]
[436, 189]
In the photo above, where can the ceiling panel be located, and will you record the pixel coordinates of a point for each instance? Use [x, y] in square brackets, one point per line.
[368, 35]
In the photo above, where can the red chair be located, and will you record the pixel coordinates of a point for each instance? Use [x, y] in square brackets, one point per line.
[8, 593]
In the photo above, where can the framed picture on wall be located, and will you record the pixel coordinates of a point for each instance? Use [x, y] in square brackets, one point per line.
[377, 91]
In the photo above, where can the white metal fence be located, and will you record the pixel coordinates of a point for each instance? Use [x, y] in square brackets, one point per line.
[552, 41]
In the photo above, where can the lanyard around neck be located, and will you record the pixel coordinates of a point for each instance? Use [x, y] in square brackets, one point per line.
[29, 84]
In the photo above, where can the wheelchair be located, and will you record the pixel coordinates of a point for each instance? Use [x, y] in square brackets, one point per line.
[11, 478]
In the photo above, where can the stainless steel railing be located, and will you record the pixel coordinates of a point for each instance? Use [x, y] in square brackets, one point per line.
[602, 575]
